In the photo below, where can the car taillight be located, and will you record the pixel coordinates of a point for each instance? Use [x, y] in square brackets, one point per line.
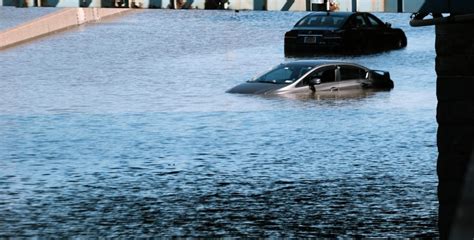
[333, 34]
[291, 34]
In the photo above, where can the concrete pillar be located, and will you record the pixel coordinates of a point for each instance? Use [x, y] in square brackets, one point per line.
[390, 5]
[286, 5]
[399, 6]
[370, 6]
[345, 5]
[166, 3]
[199, 4]
[455, 116]
[412, 5]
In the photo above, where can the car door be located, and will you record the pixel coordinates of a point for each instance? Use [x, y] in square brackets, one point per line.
[380, 35]
[351, 77]
[326, 78]
[356, 32]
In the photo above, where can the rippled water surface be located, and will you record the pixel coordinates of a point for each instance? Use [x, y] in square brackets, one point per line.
[123, 128]
[11, 17]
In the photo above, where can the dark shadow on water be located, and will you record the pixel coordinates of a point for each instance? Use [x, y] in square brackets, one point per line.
[322, 54]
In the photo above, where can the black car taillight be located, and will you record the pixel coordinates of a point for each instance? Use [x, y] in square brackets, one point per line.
[291, 34]
[334, 34]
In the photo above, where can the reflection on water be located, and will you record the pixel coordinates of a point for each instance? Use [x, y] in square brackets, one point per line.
[346, 95]
[124, 128]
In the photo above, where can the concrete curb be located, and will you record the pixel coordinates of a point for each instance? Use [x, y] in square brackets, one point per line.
[54, 22]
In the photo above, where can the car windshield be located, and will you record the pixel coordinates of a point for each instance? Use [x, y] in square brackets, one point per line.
[321, 21]
[283, 74]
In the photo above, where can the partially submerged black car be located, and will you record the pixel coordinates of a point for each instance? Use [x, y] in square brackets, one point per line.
[342, 32]
[307, 76]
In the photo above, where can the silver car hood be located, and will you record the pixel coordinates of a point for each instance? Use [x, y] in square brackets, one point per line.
[256, 88]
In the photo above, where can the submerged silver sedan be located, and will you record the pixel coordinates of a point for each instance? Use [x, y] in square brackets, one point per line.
[315, 76]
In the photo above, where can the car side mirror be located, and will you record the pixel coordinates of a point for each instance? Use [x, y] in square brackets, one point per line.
[312, 82]
[388, 25]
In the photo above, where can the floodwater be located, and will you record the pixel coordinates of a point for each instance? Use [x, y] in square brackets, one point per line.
[123, 128]
[11, 17]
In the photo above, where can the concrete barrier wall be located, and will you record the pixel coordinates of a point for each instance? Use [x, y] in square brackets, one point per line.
[54, 22]
[165, 3]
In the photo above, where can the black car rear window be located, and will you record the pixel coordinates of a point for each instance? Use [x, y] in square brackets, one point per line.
[321, 21]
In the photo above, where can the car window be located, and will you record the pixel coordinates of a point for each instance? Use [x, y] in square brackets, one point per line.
[360, 21]
[321, 21]
[278, 75]
[326, 74]
[357, 21]
[349, 72]
[283, 74]
[374, 21]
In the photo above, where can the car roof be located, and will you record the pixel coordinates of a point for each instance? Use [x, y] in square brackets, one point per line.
[316, 63]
